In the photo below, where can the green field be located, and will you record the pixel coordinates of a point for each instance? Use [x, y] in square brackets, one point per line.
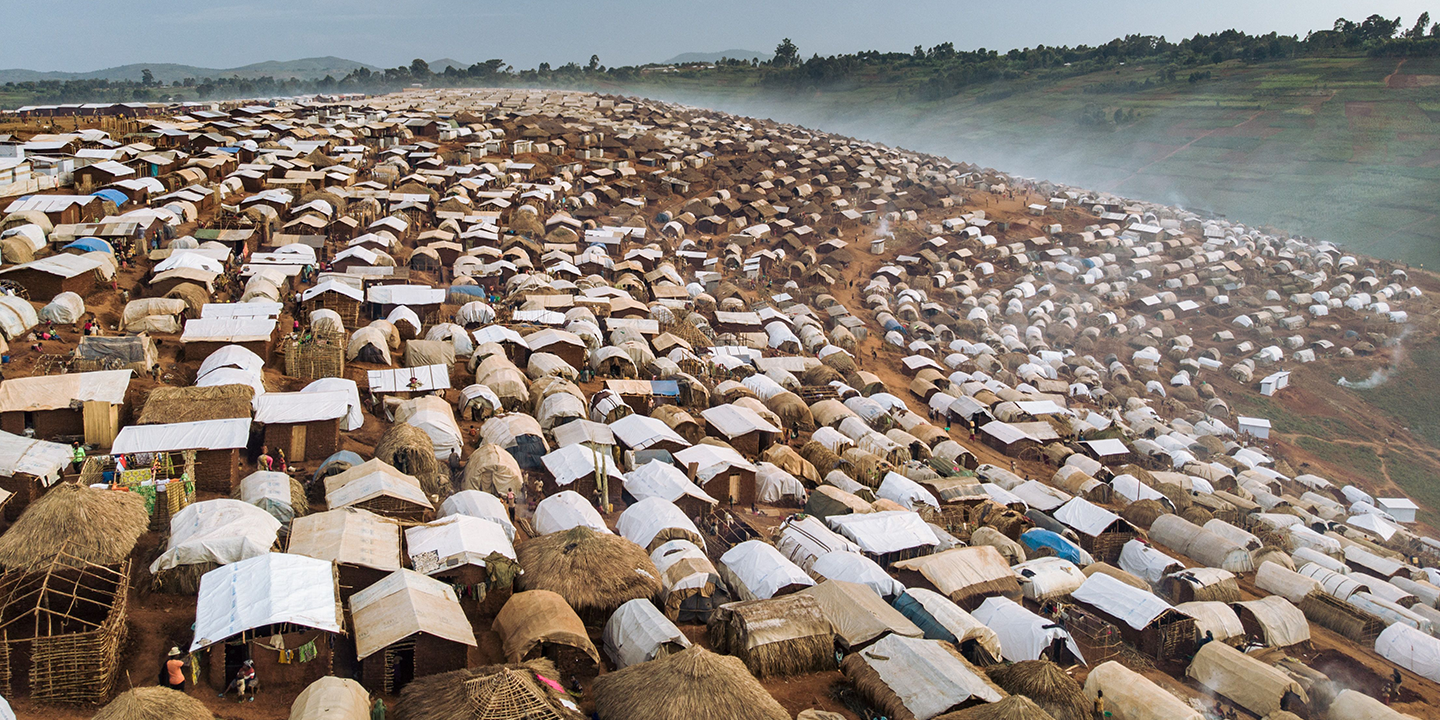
[1318, 146]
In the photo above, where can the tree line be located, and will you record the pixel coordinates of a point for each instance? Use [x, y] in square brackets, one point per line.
[924, 73]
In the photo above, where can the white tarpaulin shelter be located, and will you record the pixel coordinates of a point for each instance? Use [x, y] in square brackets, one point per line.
[1132, 696]
[905, 492]
[663, 480]
[456, 540]
[855, 568]
[221, 531]
[1127, 603]
[638, 432]
[953, 619]
[433, 416]
[353, 419]
[415, 379]
[637, 632]
[572, 462]
[881, 533]
[268, 589]
[567, 509]
[480, 504]
[38, 458]
[300, 407]
[755, 570]
[1411, 649]
[804, 538]
[642, 522]
[199, 435]
[928, 679]
[1147, 563]
[406, 603]
[1023, 634]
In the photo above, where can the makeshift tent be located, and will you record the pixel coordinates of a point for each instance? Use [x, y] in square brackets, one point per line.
[966, 575]
[1249, 683]
[536, 621]
[1411, 649]
[1274, 620]
[755, 570]
[917, 679]
[1132, 696]
[332, 698]
[565, 510]
[275, 493]
[1048, 577]
[636, 632]
[858, 614]
[212, 533]
[479, 504]
[268, 589]
[1024, 635]
[692, 585]
[941, 619]
[786, 635]
[404, 605]
[653, 521]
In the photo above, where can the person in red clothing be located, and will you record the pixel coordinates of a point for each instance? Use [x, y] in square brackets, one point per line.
[174, 675]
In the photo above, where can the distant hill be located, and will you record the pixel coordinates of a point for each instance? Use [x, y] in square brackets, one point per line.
[700, 57]
[304, 69]
[440, 65]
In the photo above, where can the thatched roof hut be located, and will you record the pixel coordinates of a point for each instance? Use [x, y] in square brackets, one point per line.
[786, 635]
[409, 450]
[1015, 707]
[966, 575]
[1045, 683]
[910, 679]
[1142, 513]
[493, 692]
[595, 572]
[154, 703]
[689, 684]
[96, 526]
[191, 404]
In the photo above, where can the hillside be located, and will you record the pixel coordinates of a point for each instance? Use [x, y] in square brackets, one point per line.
[304, 69]
[1345, 149]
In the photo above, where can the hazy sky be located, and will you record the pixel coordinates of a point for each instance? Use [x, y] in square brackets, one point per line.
[79, 35]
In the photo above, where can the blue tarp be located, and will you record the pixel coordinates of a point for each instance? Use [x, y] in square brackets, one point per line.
[668, 388]
[112, 195]
[344, 456]
[468, 290]
[91, 244]
[1038, 538]
[916, 613]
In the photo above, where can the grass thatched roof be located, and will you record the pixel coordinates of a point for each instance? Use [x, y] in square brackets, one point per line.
[98, 526]
[494, 692]
[1015, 707]
[595, 572]
[154, 703]
[409, 450]
[192, 404]
[1045, 683]
[693, 683]
[1142, 513]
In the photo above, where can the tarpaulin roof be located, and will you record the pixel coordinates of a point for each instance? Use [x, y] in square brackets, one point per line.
[199, 435]
[405, 603]
[265, 590]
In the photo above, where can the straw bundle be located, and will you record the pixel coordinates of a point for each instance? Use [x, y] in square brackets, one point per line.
[1196, 514]
[181, 579]
[95, 526]
[193, 404]
[1342, 618]
[409, 450]
[1045, 683]
[493, 692]
[595, 573]
[694, 683]
[154, 703]
[1015, 707]
[1142, 513]
[992, 514]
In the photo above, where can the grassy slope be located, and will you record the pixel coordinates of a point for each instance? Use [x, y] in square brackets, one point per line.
[1317, 146]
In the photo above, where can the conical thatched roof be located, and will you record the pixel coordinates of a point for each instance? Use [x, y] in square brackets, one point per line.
[692, 683]
[1045, 683]
[409, 450]
[495, 692]
[1015, 707]
[154, 703]
[595, 572]
[98, 526]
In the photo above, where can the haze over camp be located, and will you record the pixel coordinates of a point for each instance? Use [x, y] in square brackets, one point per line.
[948, 383]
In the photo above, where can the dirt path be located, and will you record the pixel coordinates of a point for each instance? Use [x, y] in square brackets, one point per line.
[1392, 75]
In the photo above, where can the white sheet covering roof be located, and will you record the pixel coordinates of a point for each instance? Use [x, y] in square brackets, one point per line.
[572, 462]
[567, 509]
[927, 678]
[755, 570]
[402, 604]
[636, 631]
[199, 435]
[221, 531]
[638, 432]
[879, 533]
[301, 407]
[663, 480]
[641, 522]
[265, 590]
[1135, 607]
[51, 392]
[427, 377]
[1023, 634]
[232, 330]
[734, 421]
[41, 459]
[456, 540]
[1085, 517]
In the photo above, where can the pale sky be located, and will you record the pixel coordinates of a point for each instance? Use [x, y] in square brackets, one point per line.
[82, 35]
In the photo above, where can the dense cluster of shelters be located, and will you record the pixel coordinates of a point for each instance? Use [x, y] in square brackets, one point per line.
[670, 403]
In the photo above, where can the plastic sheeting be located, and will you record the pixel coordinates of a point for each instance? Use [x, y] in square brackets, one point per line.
[222, 531]
[456, 540]
[1132, 696]
[637, 632]
[942, 619]
[268, 589]
[1131, 605]
[354, 418]
[755, 570]
[1023, 635]
[880, 533]
[480, 504]
[646, 519]
[567, 509]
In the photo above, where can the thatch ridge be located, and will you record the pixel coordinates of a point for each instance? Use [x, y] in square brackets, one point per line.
[409, 450]
[192, 404]
[97, 526]
[446, 696]
[1015, 707]
[791, 635]
[595, 572]
[154, 703]
[1142, 513]
[693, 683]
[1045, 683]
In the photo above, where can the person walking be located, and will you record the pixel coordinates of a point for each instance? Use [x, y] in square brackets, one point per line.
[173, 676]
[78, 456]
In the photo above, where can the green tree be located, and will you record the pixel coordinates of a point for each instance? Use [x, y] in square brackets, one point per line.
[147, 78]
[1421, 23]
[594, 63]
[786, 54]
[419, 68]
